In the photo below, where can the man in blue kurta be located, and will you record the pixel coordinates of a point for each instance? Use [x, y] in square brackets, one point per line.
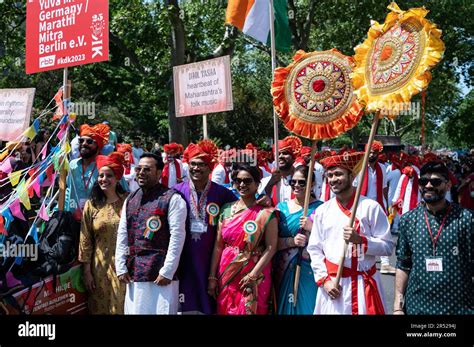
[83, 171]
[204, 199]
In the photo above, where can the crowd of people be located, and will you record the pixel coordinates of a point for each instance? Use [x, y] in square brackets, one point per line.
[200, 230]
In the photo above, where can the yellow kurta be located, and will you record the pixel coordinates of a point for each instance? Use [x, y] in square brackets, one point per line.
[97, 246]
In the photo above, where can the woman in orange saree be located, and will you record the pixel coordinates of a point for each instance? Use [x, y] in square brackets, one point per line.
[240, 275]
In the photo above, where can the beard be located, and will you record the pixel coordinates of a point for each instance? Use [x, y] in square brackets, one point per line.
[372, 160]
[437, 196]
[88, 153]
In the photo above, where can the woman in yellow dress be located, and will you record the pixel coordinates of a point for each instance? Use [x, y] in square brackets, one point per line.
[98, 237]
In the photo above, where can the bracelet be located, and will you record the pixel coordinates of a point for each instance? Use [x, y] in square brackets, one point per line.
[212, 278]
[397, 310]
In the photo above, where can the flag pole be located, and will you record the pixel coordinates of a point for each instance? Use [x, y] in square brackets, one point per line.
[204, 126]
[63, 172]
[273, 52]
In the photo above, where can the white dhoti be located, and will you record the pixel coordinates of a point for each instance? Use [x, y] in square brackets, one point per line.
[150, 298]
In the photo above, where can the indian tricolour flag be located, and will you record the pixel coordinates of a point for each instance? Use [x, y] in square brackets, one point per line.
[252, 17]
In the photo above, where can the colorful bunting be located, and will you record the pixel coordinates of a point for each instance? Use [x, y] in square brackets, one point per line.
[8, 217]
[3, 231]
[43, 212]
[33, 232]
[14, 177]
[23, 194]
[6, 166]
[15, 210]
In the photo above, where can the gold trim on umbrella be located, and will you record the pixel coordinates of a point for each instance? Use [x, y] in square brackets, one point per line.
[393, 63]
[314, 95]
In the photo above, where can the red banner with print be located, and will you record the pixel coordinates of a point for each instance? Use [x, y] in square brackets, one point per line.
[62, 33]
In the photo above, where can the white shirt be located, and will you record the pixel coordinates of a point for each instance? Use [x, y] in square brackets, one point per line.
[318, 179]
[406, 200]
[219, 174]
[137, 153]
[177, 213]
[283, 188]
[326, 242]
[393, 176]
[172, 179]
[372, 187]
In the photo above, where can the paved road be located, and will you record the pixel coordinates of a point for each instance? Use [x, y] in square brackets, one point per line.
[388, 283]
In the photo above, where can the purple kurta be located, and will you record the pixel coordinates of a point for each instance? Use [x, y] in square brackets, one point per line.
[197, 252]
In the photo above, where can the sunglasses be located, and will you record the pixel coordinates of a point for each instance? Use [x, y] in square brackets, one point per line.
[245, 181]
[199, 165]
[435, 182]
[139, 169]
[301, 183]
[88, 141]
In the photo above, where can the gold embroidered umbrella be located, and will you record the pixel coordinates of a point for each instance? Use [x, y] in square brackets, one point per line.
[314, 97]
[393, 63]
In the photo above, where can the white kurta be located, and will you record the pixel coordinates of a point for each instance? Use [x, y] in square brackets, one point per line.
[148, 297]
[318, 179]
[283, 188]
[137, 153]
[219, 174]
[326, 242]
[372, 186]
[393, 177]
[172, 179]
[407, 197]
[323, 191]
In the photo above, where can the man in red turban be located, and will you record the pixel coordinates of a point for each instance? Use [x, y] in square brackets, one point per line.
[173, 172]
[277, 186]
[375, 187]
[360, 287]
[205, 199]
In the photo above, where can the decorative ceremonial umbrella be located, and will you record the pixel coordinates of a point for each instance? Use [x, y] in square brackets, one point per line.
[392, 65]
[315, 99]
[314, 95]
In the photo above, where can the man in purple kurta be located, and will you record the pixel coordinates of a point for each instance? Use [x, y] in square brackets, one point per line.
[204, 199]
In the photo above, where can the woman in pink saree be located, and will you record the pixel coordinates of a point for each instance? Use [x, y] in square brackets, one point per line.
[247, 238]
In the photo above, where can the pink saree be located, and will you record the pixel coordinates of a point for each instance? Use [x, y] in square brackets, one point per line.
[239, 257]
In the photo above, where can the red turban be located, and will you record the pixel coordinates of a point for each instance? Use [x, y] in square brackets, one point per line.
[114, 161]
[205, 150]
[99, 133]
[377, 146]
[305, 150]
[173, 148]
[350, 161]
[290, 144]
[127, 151]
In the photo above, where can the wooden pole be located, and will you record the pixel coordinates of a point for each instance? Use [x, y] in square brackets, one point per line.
[204, 126]
[63, 172]
[273, 52]
[307, 196]
[358, 192]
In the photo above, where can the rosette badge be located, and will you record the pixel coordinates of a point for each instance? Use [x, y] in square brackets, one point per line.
[393, 63]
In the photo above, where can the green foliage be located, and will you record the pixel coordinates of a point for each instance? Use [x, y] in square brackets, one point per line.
[133, 89]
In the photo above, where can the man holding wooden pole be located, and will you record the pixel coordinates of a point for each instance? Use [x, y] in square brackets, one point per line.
[360, 290]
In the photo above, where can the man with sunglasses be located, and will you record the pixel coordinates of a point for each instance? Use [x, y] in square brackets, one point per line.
[360, 290]
[435, 251]
[83, 171]
[204, 199]
[150, 240]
